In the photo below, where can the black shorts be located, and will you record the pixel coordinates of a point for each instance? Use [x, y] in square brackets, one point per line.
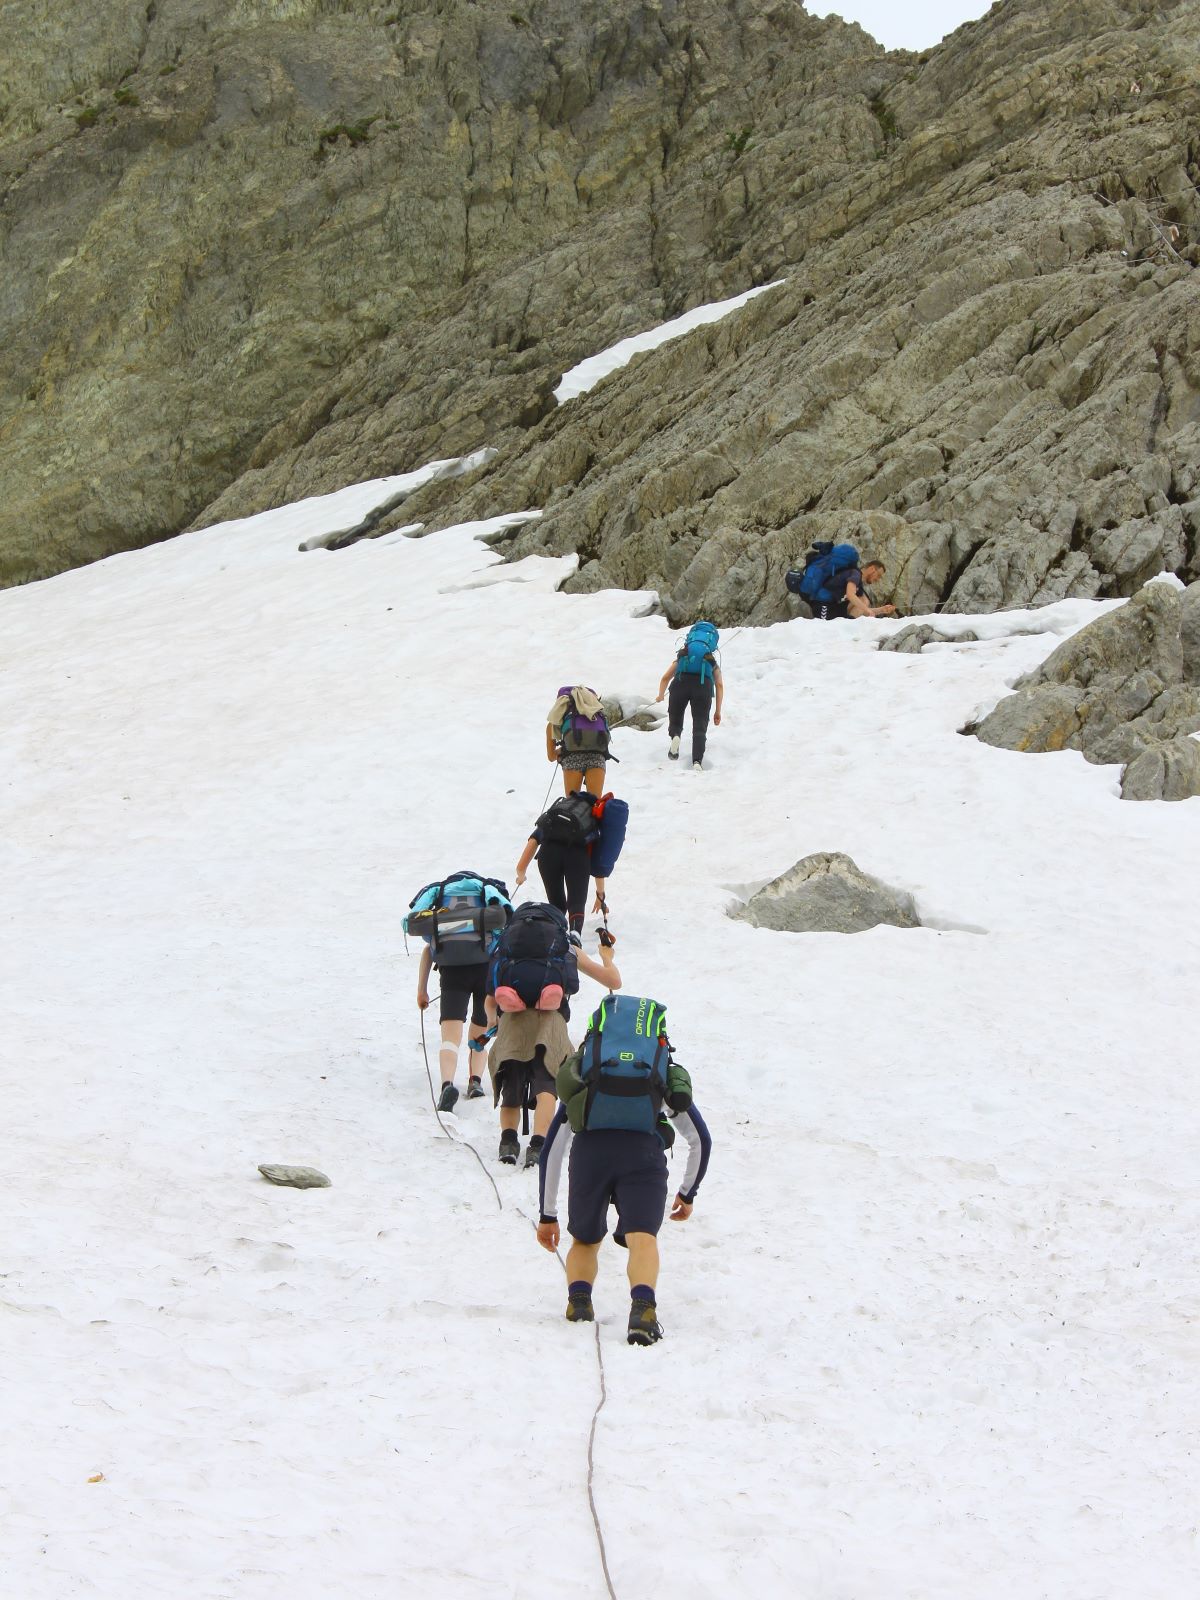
[611, 1167]
[512, 1082]
[464, 988]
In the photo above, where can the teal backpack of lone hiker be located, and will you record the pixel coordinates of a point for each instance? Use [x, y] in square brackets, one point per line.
[696, 657]
[622, 1072]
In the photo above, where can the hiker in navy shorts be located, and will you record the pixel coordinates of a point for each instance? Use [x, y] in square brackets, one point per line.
[614, 1093]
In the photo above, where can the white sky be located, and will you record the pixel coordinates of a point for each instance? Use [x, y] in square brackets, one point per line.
[905, 27]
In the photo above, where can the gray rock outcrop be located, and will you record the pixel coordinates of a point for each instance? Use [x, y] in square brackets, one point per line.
[912, 640]
[1124, 689]
[827, 893]
[255, 252]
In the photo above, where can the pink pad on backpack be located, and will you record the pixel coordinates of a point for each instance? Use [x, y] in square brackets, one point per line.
[509, 1000]
[549, 1000]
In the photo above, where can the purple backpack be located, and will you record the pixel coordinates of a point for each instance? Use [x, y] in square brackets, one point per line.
[579, 733]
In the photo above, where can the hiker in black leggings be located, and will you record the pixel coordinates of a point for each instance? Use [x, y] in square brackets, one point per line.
[689, 692]
[565, 870]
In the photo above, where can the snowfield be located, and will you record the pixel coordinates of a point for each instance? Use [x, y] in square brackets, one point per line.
[931, 1333]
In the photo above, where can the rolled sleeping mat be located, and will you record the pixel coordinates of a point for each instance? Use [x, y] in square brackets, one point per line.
[607, 847]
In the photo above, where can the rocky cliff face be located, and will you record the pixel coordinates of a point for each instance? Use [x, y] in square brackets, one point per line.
[257, 250]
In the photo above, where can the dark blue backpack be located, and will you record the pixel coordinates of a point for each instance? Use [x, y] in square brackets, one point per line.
[625, 1055]
[534, 952]
[614, 819]
[696, 655]
[821, 567]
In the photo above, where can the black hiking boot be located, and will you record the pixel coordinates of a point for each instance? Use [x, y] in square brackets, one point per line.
[533, 1150]
[579, 1308]
[644, 1326]
[474, 1089]
[510, 1147]
[449, 1097]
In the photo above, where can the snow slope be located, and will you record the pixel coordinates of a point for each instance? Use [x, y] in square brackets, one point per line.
[931, 1332]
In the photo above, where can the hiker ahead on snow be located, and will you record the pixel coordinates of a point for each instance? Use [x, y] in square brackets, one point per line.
[833, 581]
[461, 919]
[616, 1092]
[536, 967]
[693, 676]
[577, 738]
[564, 839]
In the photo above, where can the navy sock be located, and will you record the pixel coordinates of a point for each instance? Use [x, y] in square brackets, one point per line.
[642, 1291]
[580, 1287]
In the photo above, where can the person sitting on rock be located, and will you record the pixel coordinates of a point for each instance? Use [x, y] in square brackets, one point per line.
[856, 600]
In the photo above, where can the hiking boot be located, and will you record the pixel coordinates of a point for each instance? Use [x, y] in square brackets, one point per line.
[449, 1097]
[579, 1308]
[673, 749]
[697, 766]
[510, 1147]
[474, 1089]
[533, 1150]
[644, 1326]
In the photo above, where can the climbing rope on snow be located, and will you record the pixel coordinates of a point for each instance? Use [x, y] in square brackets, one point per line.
[600, 1404]
[464, 1144]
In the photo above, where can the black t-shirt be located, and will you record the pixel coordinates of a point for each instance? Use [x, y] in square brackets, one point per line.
[839, 607]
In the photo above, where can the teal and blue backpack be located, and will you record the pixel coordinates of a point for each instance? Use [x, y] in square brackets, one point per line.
[623, 1065]
[696, 657]
[461, 917]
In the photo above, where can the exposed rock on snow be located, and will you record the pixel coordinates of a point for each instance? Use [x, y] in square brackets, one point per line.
[912, 640]
[295, 1177]
[625, 710]
[827, 893]
[1125, 688]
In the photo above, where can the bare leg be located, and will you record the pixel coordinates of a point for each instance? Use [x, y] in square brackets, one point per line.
[543, 1113]
[452, 1033]
[510, 1118]
[583, 1260]
[571, 781]
[643, 1259]
[594, 778]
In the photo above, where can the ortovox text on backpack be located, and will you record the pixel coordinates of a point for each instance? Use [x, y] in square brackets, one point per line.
[624, 1064]
[461, 917]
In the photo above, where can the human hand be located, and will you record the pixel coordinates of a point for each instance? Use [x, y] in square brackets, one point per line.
[422, 998]
[607, 940]
[548, 1235]
[716, 719]
[519, 879]
[681, 1210]
[661, 695]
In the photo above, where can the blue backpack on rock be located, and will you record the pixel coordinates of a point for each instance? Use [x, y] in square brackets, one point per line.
[624, 1063]
[823, 563]
[696, 657]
